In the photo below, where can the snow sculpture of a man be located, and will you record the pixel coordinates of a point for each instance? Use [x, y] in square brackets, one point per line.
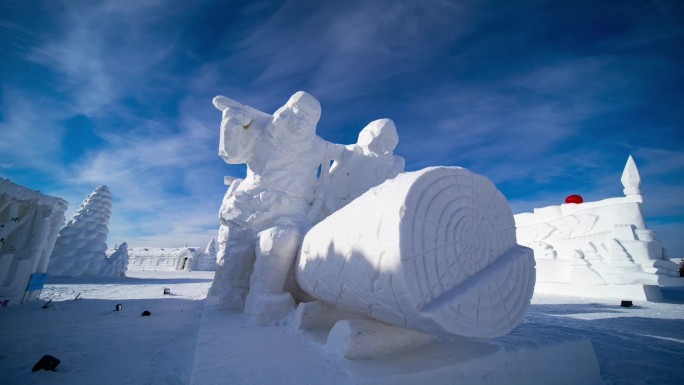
[364, 165]
[264, 216]
[433, 251]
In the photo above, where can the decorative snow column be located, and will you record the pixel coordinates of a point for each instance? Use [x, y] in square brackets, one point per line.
[29, 224]
[81, 246]
[631, 180]
[598, 249]
[432, 250]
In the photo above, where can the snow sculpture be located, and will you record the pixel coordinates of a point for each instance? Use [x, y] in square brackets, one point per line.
[29, 224]
[264, 216]
[365, 164]
[432, 250]
[207, 260]
[598, 249]
[116, 264]
[81, 245]
[203, 260]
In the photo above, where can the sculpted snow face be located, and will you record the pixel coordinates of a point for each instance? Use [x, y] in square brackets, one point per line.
[373, 252]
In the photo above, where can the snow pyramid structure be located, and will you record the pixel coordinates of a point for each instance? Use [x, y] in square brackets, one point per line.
[81, 246]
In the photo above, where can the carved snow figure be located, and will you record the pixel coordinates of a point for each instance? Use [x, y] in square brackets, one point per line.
[598, 249]
[433, 250]
[365, 164]
[81, 246]
[207, 261]
[263, 216]
[203, 260]
[29, 224]
[116, 264]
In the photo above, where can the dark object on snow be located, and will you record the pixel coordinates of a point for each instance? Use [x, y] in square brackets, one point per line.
[47, 362]
[167, 290]
[47, 305]
[146, 313]
[626, 303]
[118, 307]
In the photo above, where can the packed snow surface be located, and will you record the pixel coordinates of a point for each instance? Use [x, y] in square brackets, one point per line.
[642, 344]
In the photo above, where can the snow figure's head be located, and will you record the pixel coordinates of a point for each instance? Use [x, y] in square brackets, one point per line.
[240, 130]
[379, 137]
[298, 116]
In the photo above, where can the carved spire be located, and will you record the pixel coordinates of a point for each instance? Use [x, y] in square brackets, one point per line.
[630, 178]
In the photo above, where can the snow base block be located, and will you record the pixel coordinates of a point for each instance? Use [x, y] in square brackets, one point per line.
[233, 349]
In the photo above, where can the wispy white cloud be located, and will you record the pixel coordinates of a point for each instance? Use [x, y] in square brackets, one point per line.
[103, 51]
[164, 186]
[503, 128]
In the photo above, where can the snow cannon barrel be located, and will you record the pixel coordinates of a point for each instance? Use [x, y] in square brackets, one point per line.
[432, 250]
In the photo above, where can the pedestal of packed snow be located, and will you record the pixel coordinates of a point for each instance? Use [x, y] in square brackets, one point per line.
[229, 350]
[598, 249]
[29, 224]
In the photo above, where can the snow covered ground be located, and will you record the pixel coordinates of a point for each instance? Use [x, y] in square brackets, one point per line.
[643, 344]
[98, 345]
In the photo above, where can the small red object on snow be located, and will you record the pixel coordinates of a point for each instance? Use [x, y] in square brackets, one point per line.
[574, 199]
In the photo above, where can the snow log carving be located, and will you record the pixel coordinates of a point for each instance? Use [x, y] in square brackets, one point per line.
[432, 250]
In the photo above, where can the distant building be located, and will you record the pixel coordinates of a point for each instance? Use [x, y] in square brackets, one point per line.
[171, 259]
[160, 258]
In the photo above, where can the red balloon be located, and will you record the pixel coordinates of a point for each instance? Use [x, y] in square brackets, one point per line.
[574, 199]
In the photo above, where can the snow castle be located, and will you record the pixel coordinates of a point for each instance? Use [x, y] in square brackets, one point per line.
[598, 249]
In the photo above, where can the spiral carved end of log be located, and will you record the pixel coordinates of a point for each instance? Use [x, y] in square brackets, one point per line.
[467, 273]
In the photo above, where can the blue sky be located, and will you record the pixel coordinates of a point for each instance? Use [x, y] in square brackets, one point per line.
[546, 98]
